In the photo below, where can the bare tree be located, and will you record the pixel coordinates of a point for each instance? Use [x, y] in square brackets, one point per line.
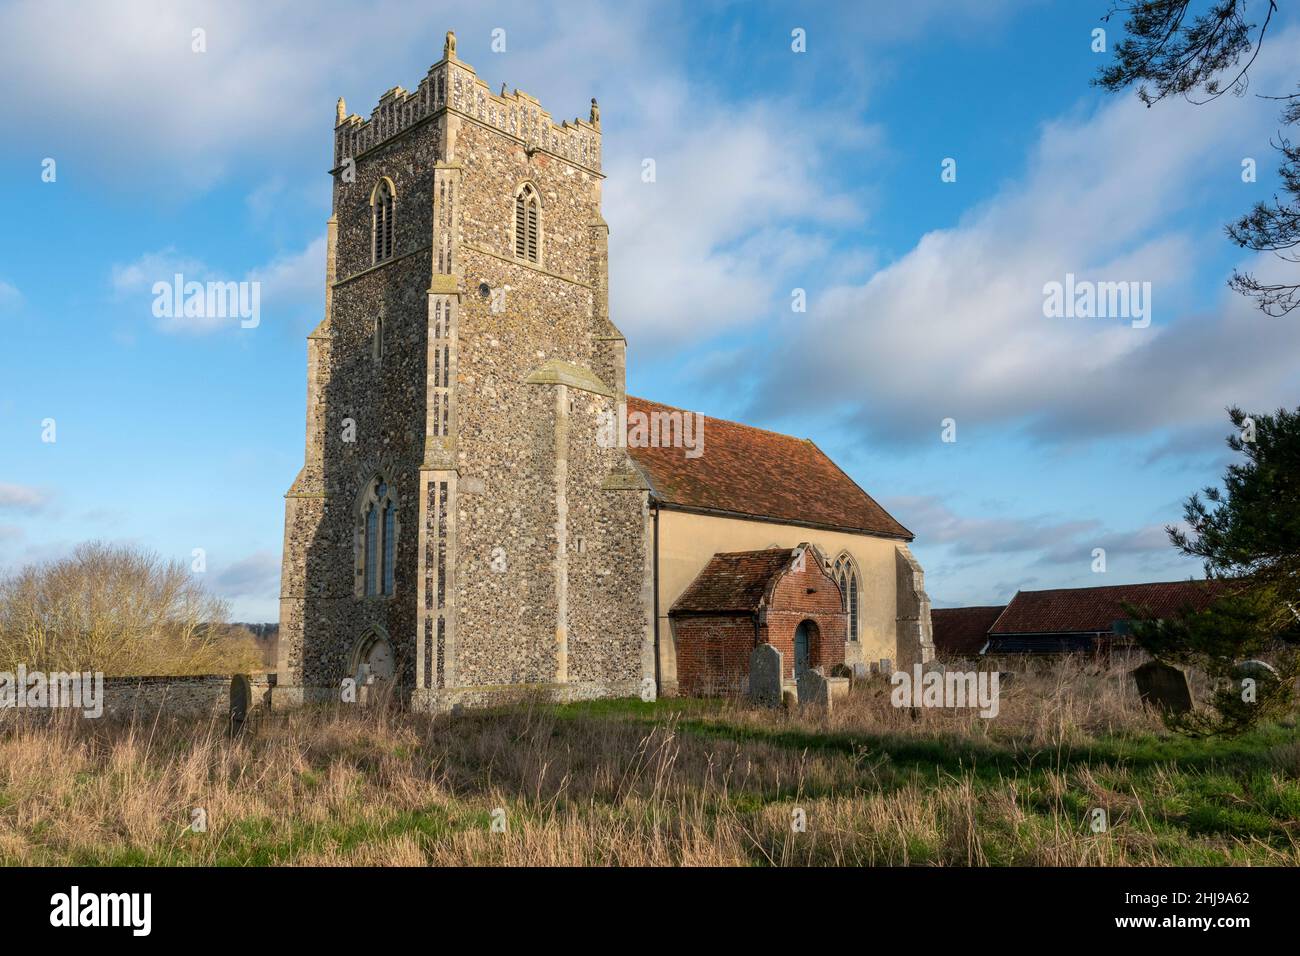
[120, 610]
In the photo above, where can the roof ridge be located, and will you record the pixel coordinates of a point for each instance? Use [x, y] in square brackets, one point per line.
[1106, 587]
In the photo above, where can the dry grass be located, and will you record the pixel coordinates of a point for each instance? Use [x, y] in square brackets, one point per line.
[673, 783]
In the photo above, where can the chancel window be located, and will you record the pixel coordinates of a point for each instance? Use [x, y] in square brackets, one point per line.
[846, 576]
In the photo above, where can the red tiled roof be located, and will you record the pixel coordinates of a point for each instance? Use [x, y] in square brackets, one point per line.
[733, 581]
[748, 471]
[963, 630]
[1083, 610]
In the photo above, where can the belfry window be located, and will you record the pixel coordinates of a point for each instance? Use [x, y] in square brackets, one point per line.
[528, 214]
[377, 553]
[846, 576]
[382, 207]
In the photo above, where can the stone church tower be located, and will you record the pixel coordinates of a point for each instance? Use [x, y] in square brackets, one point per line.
[457, 527]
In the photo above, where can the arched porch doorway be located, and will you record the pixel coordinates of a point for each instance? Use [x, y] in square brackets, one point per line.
[807, 646]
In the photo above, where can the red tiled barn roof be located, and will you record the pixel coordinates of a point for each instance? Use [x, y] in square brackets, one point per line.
[963, 630]
[733, 581]
[1083, 610]
[750, 472]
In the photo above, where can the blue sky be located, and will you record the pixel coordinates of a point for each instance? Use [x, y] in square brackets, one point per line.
[775, 170]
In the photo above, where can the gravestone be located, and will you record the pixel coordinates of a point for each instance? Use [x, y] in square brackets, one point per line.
[765, 676]
[1163, 686]
[861, 671]
[887, 667]
[241, 700]
[814, 688]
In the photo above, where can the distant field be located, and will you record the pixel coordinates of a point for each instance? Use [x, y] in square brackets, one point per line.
[680, 782]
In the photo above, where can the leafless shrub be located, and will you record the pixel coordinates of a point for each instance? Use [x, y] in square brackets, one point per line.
[119, 610]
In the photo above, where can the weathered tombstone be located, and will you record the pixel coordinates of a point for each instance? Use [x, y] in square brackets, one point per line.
[241, 699]
[1163, 686]
[837, 688]
[886, 667]
[814, 689]
[765, 675]
[861, 671]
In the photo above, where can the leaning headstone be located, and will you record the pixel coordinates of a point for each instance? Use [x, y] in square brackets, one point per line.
[765, 676]
[814, 688]
[1163, 686]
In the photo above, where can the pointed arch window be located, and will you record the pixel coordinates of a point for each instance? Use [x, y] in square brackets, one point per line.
[383, 203]
[528, 224]
[845, 573]
[377, 547]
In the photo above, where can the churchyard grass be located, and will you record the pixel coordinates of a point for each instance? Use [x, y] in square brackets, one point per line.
[675, 782]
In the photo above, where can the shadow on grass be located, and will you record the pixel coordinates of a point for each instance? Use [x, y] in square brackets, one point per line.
[989, 758]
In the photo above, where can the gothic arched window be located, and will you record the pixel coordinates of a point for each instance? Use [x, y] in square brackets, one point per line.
[845, 573]
[377, 544]
[528, 224]
[383, 210]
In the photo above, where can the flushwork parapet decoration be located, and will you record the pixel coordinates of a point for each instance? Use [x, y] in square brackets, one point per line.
[451, 84]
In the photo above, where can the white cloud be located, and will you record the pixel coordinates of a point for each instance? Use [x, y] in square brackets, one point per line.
[955, 327]
[252, 577]
[935, 523]
[734, 209]
[22, 497]
[291, 286]
[120, 86]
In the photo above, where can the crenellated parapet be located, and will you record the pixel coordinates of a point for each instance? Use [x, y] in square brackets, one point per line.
[453, 85]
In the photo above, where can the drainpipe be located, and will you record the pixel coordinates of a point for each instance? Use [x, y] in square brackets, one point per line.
[656, 600]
